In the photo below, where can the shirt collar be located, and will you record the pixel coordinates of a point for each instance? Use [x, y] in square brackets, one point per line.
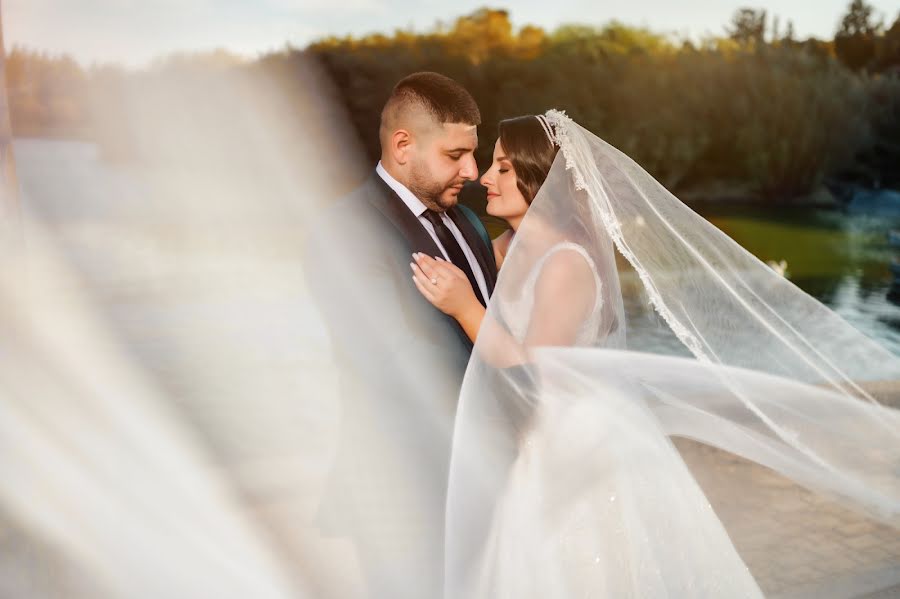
[414, 204]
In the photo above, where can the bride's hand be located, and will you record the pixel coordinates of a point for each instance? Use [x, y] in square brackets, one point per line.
[443, 284]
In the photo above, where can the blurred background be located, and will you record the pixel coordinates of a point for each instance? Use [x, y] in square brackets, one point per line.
[780, 124]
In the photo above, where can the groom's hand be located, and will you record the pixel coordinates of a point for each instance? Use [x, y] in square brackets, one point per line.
[443, 284]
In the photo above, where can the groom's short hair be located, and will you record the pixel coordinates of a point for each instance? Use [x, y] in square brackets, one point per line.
[443, 98]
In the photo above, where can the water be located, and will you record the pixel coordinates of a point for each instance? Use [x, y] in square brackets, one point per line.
[840, 259]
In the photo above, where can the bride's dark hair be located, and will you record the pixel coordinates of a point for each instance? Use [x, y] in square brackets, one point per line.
[530, 151]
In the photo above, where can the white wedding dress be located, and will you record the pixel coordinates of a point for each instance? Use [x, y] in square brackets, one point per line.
[618, 466]
[564, 481]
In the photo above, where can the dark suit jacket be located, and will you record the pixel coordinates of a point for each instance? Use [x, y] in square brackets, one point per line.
[401, 362]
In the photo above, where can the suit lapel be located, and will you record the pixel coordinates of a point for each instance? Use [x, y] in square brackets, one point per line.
[485, 261]
[393, 208]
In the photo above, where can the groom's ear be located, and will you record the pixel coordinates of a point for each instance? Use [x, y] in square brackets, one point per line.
[401, 145]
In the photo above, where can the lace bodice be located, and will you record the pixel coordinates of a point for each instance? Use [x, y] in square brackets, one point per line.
[516, 313]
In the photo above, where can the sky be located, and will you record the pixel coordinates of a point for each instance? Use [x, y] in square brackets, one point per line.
[133, 32]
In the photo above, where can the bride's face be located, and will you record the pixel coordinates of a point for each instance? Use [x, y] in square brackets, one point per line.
[504, 199]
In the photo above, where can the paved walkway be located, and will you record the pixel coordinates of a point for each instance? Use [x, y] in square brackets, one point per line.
[805, 546]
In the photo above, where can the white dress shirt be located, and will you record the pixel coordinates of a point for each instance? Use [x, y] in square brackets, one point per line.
[418, 209]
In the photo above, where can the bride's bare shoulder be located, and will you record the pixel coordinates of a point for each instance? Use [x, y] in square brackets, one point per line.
[501, 245]
[566, 277]
[567, 264]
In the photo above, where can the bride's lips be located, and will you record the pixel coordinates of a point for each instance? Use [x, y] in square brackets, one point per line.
[492, 195]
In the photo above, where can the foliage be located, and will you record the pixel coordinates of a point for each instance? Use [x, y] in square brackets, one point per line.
[757, 113]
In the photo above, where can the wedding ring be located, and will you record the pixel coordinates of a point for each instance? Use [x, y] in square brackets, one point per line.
[434, 280]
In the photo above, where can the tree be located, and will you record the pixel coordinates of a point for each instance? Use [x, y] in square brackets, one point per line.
[484, 33]
[748, 26]
[888, 48]
[859, 20]
[531, 42]
[789, 34]
[855, 40]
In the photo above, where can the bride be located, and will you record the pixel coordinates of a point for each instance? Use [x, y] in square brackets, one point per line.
[564, 481]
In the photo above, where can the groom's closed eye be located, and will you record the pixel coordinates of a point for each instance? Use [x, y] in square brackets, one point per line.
[457, 153]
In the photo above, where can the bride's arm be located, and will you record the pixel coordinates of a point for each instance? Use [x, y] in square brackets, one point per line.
[453, 294]
[471, 320]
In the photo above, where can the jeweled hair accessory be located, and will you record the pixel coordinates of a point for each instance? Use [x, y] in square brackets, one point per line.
[559, 124]
[547, 129]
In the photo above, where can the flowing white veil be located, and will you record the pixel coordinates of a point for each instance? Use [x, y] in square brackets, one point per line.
[564, 479]
[167, 405]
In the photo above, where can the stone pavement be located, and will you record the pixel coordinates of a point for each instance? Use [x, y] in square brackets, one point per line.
[806, 546]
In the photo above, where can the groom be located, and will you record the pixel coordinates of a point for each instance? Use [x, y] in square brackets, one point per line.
[401, 361]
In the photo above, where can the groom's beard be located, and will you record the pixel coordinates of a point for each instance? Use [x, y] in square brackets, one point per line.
[432, 193]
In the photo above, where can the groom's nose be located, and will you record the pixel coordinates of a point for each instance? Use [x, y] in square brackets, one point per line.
[469, 169]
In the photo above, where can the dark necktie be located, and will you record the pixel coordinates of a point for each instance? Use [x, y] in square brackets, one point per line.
[457, 256]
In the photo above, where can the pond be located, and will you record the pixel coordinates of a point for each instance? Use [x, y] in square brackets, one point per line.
[843, 260]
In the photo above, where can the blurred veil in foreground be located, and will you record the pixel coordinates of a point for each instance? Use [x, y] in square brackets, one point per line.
[169, 409]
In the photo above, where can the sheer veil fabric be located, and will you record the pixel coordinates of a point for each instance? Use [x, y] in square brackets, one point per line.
[564, 479]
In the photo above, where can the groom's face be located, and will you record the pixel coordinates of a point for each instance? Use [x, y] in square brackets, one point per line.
[443, 160]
